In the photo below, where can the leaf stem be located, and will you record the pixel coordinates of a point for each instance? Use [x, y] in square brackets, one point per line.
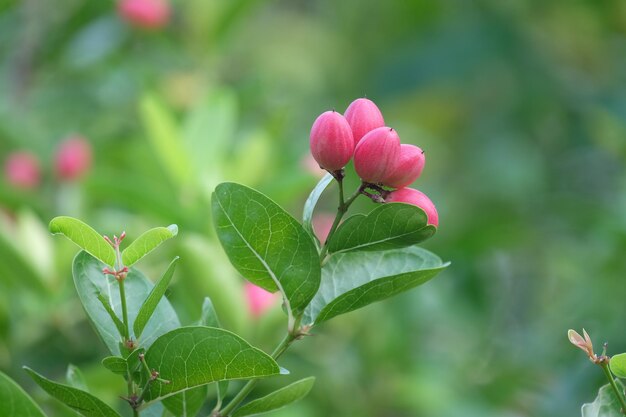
[609, 376]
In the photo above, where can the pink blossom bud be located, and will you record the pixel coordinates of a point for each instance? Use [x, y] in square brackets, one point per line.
[363, 116]
[408, 167]
[581, 342]
[417, 198]
[322, 223]
[376, 154]
[259, 300]
[331, 142]
[145, 14]
[73, 158]
[21, 169]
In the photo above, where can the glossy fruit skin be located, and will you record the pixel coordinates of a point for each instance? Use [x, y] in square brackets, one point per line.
[408, 168]
[259, 300]
[73, 158]
[363, 116]
[376, 154]
[21, 170]
[417, 198]
[331, 141]
[145, 14]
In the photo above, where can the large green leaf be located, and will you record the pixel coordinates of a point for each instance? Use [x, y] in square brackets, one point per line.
[193, 356]
[14, 402]
[355, 279]
[80, 401]
[186, 403]
[89, 281]
[606, 403]
[266, 245]
[618, 365]
[311, 202]
[85, 237]
[388, 226]
[147, 242]
[277, 399]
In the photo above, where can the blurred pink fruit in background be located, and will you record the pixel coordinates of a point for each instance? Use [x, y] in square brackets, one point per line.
[259, 300]
[21, 169]
[73, 158]
[146, 14]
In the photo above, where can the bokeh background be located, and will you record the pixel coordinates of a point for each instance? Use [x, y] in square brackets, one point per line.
[519, 105]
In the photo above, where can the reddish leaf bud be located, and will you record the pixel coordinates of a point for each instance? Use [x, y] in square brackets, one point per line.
[408, 167]
[417, 198]
[584, 343]
[259, 300]
[376, 154]
[363, 116]
[146, 14]
[21, 169]
[73, 158]
[331, 142]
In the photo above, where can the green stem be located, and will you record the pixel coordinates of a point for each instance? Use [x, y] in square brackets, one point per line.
[609, 376]
[124, 310]
[341, 211]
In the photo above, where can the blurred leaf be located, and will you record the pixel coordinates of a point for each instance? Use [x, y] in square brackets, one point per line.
[75, 377]
[193, 356]
[311, 202]
[87, 272]
[355, 279]
[15, 402]
[147, 242]
[81, 401]
[85, 237]
[618, 365]
[209, 316]
[277, 399]
[34, 237]
[388, 226]
[266, 245]
[606, 403]
[115, 364]
[152, 301]
[251, 162]
[15, 268]
[186, 403]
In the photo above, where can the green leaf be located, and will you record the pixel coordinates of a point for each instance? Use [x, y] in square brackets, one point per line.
[209, 316]
[388, 226]
[277, 399]
[222, 389]
[152, 301]
[193, 356]
[75, 378]
[87, 272]
[105, 303]
[14, 402]
[606, 403]
[116, 364]
[355, 279]
[85, 237]
[311, 202]
[618, 365]
[147, 242]
[266, 245]
[81, 401]
[186, 403]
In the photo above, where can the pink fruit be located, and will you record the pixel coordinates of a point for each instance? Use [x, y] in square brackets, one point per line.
[331, 141]
[417, 198]
[146, 14]
[21, 169]
[408, 167]
[73, 158]
[322, 223]
[363, 117]
[259, 300]
[376, 154]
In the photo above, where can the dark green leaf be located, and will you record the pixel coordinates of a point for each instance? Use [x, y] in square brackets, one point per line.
[311, 202]
[266, 245]
[277, 399]
[14, 402]
[388, 226]
[147, 242]
[618, 365]
[355, 279]
[85, 237]
[152, 301]
[186, 403]
[115, 364]
[606, 403]
[209, 316]
[81, 401]
[75, 378]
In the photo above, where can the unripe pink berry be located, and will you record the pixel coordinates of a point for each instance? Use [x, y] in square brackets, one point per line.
[408, 167]
[417, 198]
[331, 142]
[376, 154]
[146, 14]
[259, 300]
[363, 117]
[73, 158]
[21, 169]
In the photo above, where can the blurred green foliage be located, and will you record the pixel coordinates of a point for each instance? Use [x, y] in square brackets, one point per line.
[520, 106]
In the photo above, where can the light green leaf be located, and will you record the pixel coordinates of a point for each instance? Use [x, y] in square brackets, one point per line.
[209, 316]
[266, 245]
[311, 202]
[85, 237]
[189, 357]
[152, 301]
[104, 300]
[75, 378]
[186, 403]
[15, 402]
[618, 365]
[606, 403]
[388, 226]
[115, 364]
[87, 272]
[80, 401]
[355, 279]
[277, 399]
[147, 242]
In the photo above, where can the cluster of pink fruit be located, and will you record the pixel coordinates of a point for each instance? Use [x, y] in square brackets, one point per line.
[72, 160]
[381, 161]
